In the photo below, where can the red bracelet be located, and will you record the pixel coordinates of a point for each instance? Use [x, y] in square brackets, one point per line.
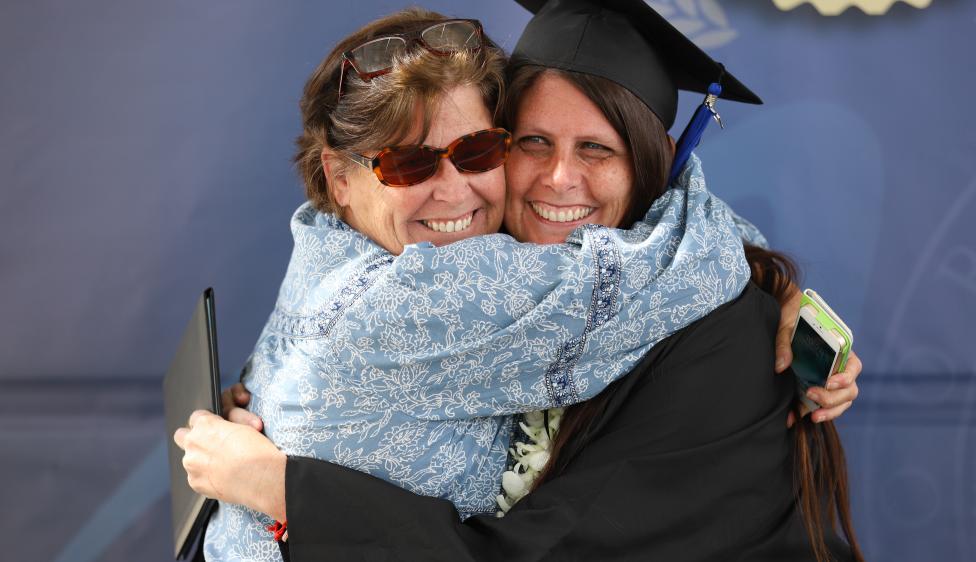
[279, 528]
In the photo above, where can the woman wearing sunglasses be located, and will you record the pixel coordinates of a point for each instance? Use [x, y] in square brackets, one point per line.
[404, 442]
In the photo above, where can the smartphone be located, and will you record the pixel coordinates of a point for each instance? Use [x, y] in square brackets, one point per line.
[821, 345]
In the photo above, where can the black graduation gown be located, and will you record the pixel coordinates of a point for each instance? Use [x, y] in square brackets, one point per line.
[691, 460]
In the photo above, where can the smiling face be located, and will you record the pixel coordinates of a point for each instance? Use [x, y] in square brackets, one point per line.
[446, 208]
[568, 165]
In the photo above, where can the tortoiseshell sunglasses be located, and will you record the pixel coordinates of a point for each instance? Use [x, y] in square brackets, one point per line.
[403, 166]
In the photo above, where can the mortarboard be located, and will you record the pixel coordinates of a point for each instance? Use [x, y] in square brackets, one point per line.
[629, 43]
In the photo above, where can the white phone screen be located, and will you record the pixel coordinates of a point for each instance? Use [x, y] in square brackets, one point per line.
[813, 358]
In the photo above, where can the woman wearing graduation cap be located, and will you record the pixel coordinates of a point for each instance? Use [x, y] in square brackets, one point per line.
[531, 217]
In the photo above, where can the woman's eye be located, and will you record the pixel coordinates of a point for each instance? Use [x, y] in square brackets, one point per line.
[533, 144]
[595, 150]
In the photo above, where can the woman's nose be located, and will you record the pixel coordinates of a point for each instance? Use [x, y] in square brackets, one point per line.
[449, 184]
[563, 173]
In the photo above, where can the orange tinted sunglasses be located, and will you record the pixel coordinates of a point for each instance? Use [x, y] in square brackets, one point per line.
[403, 166]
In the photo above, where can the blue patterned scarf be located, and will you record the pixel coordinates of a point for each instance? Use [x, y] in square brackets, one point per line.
[408, 367]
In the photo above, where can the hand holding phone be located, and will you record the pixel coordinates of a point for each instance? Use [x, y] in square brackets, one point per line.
[821, 345]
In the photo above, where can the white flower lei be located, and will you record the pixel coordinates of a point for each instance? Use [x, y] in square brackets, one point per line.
[530, 458]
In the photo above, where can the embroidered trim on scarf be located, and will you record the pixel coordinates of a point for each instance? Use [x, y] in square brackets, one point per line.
[603, 303]
[318, 325]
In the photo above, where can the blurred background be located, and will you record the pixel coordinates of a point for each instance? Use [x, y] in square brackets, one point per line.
[144, 155]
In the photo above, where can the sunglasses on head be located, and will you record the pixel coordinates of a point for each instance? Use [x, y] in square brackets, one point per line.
[402, 166]
[375, 57]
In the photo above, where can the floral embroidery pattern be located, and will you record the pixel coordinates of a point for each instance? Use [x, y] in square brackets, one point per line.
[559, 380]
[408, 367]
[298, 326]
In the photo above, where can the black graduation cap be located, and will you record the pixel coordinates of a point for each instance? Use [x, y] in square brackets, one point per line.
[625, 41]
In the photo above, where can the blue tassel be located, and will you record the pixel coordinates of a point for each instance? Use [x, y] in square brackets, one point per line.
[692, 135]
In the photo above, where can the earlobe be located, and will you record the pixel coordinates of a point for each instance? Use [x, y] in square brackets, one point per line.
[336, 180]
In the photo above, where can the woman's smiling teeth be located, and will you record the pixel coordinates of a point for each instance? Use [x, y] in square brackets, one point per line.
[449, 225]
[561, 214]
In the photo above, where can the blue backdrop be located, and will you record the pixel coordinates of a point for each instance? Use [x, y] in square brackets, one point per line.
[145, 156]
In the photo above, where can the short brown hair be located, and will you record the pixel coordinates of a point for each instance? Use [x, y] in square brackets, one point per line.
[382, 111]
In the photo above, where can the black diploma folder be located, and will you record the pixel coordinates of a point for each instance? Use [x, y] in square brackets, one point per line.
[192, 383]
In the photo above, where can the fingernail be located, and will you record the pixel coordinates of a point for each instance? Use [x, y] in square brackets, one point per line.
[812, 394]
[831, 385]
[780, 364]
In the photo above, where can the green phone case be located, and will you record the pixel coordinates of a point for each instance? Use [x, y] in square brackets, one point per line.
[829, 319]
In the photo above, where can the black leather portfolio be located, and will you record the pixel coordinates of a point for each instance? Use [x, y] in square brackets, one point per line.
[191, 383]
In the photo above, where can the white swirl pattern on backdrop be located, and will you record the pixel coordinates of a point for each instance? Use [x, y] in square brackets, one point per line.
[836, 7]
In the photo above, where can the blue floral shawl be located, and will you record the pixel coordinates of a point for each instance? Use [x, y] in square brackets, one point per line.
[409, 367]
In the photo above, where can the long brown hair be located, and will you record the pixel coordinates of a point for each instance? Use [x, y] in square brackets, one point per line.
[820, 469]
[820, 466]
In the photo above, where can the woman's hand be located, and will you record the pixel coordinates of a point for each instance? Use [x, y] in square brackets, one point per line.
[841, 389]
[840, 393]
[232, 402]
[233, 463]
